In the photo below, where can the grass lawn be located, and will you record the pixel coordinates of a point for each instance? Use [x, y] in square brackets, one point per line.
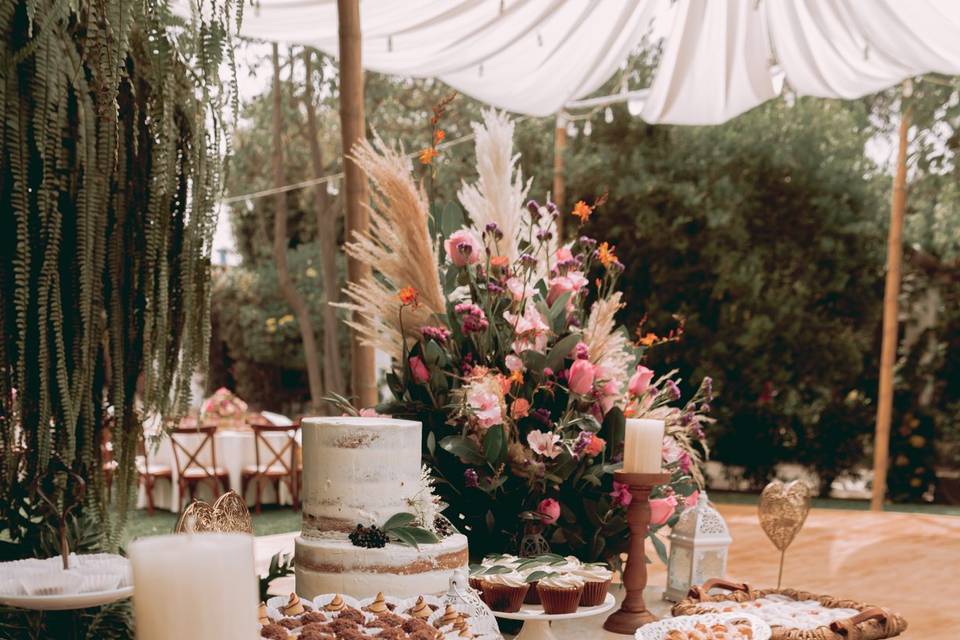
[273, 520]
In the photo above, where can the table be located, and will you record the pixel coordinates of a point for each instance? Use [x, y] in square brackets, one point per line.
[235, 450]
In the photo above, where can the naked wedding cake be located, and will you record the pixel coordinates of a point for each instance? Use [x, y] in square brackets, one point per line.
[364, 471]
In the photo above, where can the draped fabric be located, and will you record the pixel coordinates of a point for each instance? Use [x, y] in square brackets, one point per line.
[719, 57]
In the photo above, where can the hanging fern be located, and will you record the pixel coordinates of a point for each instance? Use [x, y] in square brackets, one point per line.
[112, 146]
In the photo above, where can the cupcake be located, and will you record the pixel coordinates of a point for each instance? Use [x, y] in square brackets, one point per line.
[504, 591]
[293, 607]
[532, 574]
[560, 593]
[596, 582]
[420, 609]
[337, 604]
[379, 604]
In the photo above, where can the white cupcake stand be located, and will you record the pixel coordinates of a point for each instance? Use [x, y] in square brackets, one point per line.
[536, 623]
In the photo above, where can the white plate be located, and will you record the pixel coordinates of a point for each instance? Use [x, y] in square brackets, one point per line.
[72, 601]
[658, 630]
[535, 612]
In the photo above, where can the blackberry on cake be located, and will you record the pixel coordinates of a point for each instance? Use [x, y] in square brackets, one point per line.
[371, 537]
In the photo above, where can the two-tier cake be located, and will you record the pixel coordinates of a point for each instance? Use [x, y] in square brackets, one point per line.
[364, 471]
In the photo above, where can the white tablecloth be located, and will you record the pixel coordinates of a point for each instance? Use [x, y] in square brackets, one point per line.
[235, 450]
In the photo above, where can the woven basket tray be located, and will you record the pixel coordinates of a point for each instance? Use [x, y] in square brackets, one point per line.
[872, 623]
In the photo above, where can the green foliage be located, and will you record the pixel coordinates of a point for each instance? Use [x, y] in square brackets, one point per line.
[109, 170]
[765, 235]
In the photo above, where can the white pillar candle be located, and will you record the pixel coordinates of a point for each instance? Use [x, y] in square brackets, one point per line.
[642, 446]
[199, 585]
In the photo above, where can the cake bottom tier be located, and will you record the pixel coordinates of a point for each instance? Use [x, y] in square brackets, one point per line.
[334, 565]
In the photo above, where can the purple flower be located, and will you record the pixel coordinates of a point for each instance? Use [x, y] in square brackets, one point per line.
[621, 494]
[673, 389]
[708, 388]
[473, 319]
[587, 243]
[582, 351]
[471, 478]
[493, 287]
[543, 415]
[528, 260]
[552, 208]
[583, 441]
[544, 235]
[705, 408]
[533, 207]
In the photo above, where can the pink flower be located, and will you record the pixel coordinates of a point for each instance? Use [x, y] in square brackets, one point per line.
[485, 404]
[661, 509]
[518, 290]
[692, 499]
[580, 377]
[546, 444]
[419, 370]
[572, 282]
[513, 363]
[463, 248]
[640, 381]
[549, 511]
[621, 494]
[531, 330]
[609, 394]
[370, 412]
[670, 452]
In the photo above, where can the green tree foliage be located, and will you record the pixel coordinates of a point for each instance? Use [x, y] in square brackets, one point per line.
[110, 165]
[765, 234]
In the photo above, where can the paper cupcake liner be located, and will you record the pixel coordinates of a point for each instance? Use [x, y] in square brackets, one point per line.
[533, 596]
[474, 583]
[93, 582]
[51, 583]
[556, 601]
[503, 598]
[594, 593]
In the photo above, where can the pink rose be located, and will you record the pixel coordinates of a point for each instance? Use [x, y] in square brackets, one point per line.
[371, 413]
[572, 282]
[580, 377]
[419, 370]
[621, 494]
[564, 253]
[518, 289]
[609, 394]
[661, 509]
[463, 248]
[514, 363]
[549, 511]
[640, 381]
[692, 499]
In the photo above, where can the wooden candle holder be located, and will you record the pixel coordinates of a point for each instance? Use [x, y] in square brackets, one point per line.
[633, 612]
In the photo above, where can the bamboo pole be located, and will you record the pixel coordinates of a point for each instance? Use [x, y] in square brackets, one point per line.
[559, 179]
[353, 128]
[888, 350]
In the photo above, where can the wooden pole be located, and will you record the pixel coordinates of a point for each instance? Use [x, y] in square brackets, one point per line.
[888, 350]
[559, 182]
[353, 128]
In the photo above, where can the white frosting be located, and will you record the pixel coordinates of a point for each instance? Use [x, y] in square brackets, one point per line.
[512, 579]
[357, 470]
[561, 581]
[593, 574]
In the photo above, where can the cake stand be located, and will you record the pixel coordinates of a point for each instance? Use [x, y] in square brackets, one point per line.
[536, 623]
[68, 601]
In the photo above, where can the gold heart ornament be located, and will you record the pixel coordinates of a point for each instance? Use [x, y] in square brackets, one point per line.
[228, 514]
[783, 510]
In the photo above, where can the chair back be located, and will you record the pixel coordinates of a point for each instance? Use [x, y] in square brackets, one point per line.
[195, 448]
[272, 454]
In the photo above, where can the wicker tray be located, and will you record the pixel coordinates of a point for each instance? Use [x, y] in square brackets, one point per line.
[872, 623]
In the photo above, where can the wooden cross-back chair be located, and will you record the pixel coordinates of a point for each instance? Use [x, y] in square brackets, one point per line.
[149, 472]
[193, 468]
[276, 463]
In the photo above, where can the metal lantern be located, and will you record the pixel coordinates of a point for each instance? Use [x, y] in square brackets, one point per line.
[698, 549]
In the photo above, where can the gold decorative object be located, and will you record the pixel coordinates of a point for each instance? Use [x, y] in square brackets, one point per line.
[229, 514]
[783, 509]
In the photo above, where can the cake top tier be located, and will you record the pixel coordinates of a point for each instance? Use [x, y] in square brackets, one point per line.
[354, 421]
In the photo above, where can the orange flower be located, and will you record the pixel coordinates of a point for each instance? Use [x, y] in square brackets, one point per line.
[408, 296]
[582, 210]
[516, 377]
[595, 446]
[499, 261]
[427, 155]
[520, 408]
[606, 254]
[648, 339]
[438, 136]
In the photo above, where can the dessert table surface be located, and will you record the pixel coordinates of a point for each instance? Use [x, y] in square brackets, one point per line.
[235, 450]
[903, 561]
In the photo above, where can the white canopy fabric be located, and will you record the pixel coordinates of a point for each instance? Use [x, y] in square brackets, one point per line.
[720, 57]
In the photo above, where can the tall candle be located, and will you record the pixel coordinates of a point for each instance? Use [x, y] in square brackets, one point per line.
[199, 585]
[642, 446]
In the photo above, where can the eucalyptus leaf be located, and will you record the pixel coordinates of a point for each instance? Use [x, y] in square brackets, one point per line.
[463, 448]
[561, 350]
[401, 519]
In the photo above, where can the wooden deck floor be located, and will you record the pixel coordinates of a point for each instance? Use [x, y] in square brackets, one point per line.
[906, 562]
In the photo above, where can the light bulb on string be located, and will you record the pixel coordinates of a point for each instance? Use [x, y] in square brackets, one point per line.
[587, 128]
[332, 188]
[608, 115]
[635, 107]
[571, 130]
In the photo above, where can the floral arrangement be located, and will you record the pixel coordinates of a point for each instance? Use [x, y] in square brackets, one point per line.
[506, 348]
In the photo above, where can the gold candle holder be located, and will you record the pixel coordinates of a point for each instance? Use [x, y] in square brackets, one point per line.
[633, 612]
